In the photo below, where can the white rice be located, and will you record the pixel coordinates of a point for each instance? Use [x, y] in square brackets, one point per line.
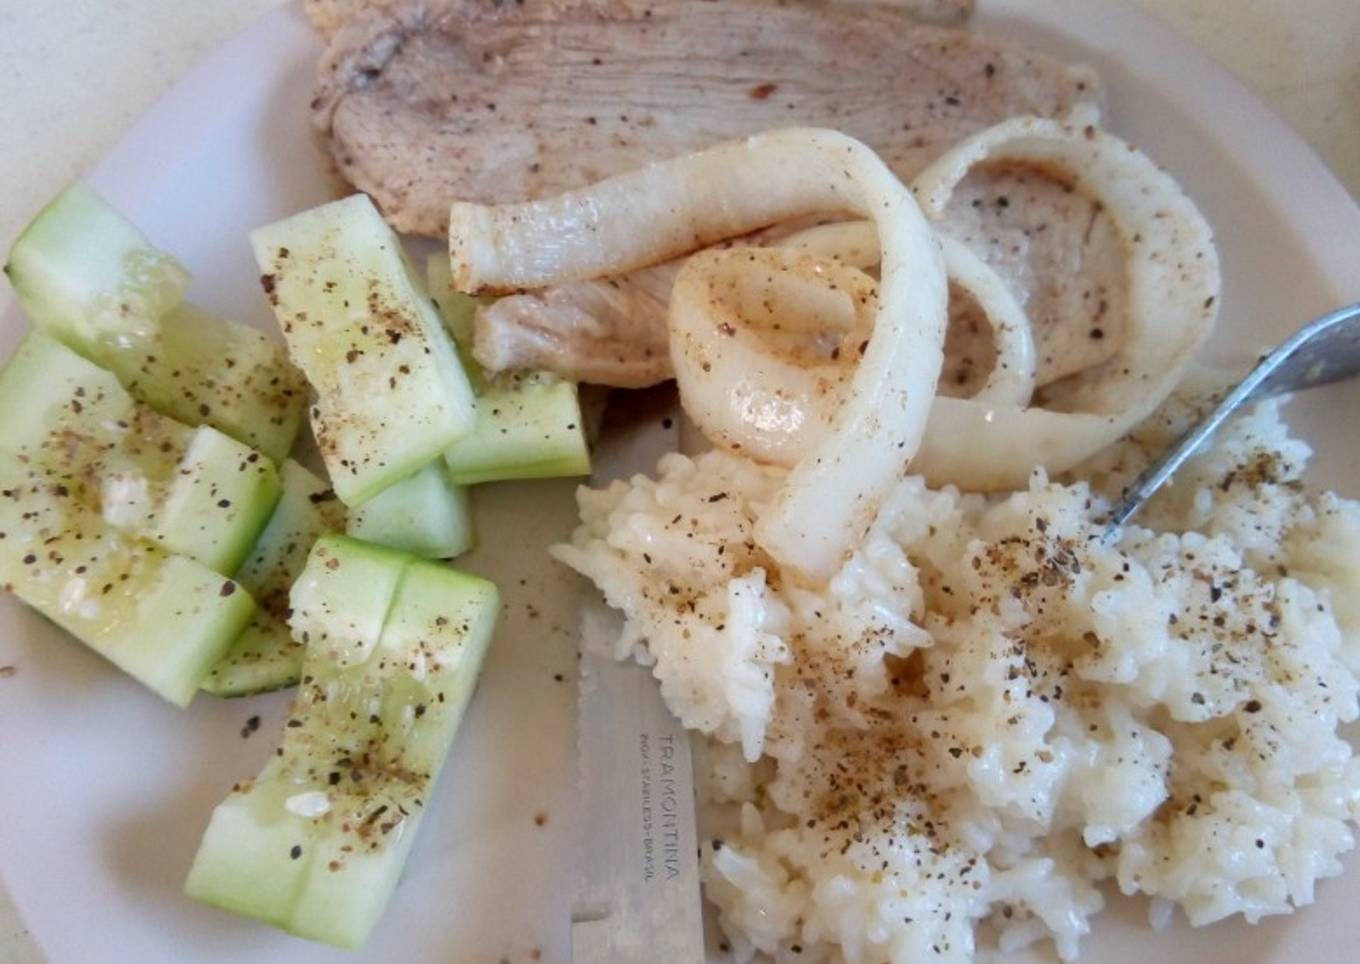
[986, 712]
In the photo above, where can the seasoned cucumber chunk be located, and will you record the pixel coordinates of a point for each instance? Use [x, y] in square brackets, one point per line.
[307, 510]
[85, 275]
[424, 514]
[205, 370]
[391, 392]
[266, 657]
[316, 843]
[219, 501]
[163, 619]
[528, 427]
[529, 423]
[195, 492]
[340, 601]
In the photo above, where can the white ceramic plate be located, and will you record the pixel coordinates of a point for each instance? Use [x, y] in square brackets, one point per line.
[104, 790]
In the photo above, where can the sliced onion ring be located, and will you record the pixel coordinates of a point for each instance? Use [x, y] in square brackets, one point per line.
[743, 394]
[1173, 286]
[981, 443]
[674, 207]
[1012, 379]
[750, 398]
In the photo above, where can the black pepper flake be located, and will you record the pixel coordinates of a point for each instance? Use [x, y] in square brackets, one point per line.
[251, 726]
[296, 852]
[1252, 706]
[227, 589]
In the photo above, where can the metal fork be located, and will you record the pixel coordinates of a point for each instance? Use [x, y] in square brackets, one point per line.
[1324, 351]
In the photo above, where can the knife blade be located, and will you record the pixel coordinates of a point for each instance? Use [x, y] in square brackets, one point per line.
[639, 888]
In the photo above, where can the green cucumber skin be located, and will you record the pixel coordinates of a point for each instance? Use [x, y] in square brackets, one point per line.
[368, 734]
[424, 514]
[163, 619]
[87, 276]
[391, 392]
[266, 657]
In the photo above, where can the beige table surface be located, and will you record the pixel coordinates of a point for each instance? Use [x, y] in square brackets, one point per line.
[75, 75]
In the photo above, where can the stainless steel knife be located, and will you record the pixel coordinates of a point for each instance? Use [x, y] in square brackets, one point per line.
[639, 891]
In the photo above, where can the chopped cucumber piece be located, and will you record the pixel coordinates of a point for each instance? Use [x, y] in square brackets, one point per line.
[266, 657]
[340, 601]
[457, 310]
[195, 492]
[529, 424]
[47, 390]
[219, 502]
[87, 276]
[205, 370]
[391, 393]
[163, 619]
[316, 843]
[424, 514]
[307, 510]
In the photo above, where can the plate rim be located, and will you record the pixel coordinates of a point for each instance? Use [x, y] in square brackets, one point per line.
[1212, 95]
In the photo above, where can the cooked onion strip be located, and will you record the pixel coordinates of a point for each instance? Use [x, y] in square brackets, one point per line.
[1173, 289]
[1011, 380]
[772, 404]
[744, 393]
[677, 206]
[1173, 282]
